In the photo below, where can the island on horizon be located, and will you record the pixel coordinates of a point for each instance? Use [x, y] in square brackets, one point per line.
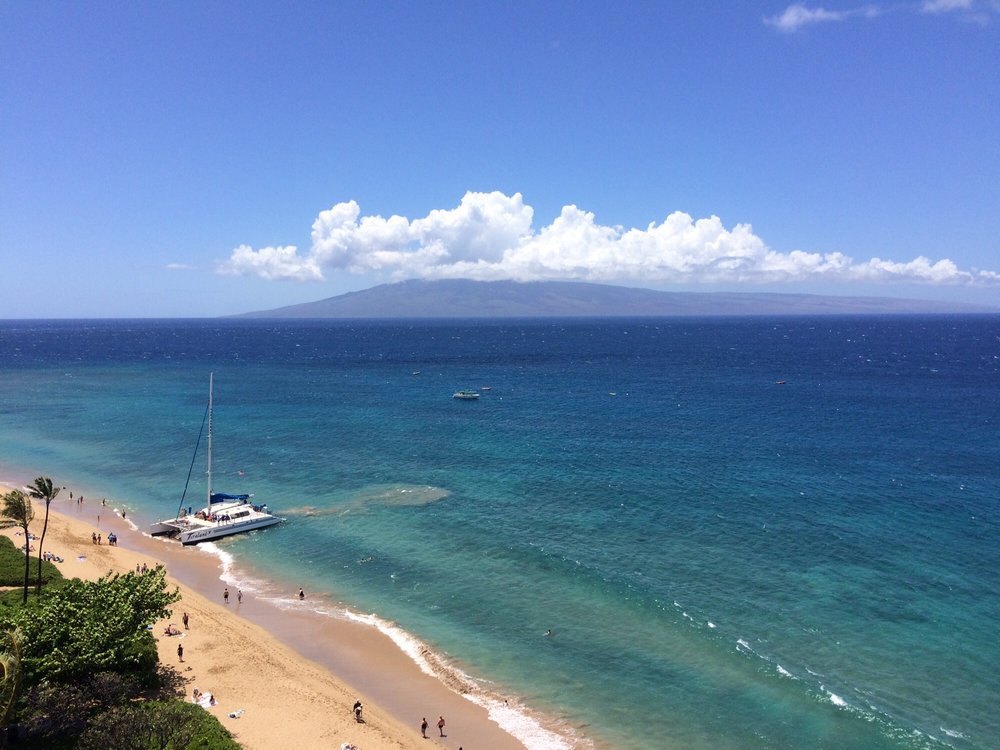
[465, 298]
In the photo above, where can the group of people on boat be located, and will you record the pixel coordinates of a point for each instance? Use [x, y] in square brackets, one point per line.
[221, 517]
[217, 517]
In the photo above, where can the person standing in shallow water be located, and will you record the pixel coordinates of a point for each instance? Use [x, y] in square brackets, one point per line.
[225, 596]
[302, 594]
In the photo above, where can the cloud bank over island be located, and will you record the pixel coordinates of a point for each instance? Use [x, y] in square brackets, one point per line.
[490, 236]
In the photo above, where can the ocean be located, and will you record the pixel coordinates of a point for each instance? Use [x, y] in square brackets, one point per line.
[742, 533]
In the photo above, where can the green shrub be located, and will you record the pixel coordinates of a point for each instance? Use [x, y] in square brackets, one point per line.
[85, 627]
[156, 725]
[12, 566]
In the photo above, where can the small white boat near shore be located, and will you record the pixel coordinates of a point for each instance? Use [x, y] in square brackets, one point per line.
[224, 515]
[466, 395]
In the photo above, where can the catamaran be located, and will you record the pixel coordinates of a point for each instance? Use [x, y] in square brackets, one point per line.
[224, 515]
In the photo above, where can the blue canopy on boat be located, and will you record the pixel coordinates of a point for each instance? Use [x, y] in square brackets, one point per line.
[221, 497]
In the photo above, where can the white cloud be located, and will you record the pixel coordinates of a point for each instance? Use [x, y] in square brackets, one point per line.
[798, 15]
[271, 263]
[945, 6]
[979, 12]
[489, 236]
[179, 267]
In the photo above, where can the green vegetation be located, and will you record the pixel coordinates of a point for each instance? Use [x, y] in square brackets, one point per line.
[96, 626]
[16, 510]
[161, 725]
[79, 668]
[12, 566]
[10, 663]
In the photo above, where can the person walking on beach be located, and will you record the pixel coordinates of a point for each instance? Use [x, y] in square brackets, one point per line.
[302, 594]
[180, 651]
[239, 596]
[225, 596]
[357, 711]
[423, 727]
[184, 619]
[441, 725]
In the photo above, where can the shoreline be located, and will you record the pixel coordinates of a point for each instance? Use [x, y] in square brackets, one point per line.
[346, 655]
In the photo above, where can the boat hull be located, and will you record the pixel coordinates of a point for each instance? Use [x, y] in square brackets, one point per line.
[190, 531]
[201, 534]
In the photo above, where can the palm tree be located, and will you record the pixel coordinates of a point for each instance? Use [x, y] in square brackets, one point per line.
[42, 489]
[17, 511]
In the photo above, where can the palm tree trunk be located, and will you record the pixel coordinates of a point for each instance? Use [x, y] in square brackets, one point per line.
[27, 563]
[41, 542]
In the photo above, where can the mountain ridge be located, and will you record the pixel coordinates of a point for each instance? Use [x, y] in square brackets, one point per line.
[465, 298]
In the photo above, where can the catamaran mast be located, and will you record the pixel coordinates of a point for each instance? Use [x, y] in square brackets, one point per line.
[211, 382]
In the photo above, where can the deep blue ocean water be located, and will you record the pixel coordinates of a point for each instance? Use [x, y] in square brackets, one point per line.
[726, 560]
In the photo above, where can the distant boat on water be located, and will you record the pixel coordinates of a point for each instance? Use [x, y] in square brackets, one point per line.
[224, 515]
[466, 395]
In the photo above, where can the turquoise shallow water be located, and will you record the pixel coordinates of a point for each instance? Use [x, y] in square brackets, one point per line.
[725, 562]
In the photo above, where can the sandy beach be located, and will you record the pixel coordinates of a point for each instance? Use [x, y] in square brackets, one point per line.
[280, 678]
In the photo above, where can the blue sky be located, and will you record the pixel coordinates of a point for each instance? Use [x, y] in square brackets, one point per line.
[196, 159]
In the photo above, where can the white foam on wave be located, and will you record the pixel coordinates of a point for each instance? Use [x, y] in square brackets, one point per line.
[234, 575]
[954, 733]
[834, 698]
[517, 722]
[127, 520]
[514, 719]
[406, 643]
[784, 672]
[225, 558]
